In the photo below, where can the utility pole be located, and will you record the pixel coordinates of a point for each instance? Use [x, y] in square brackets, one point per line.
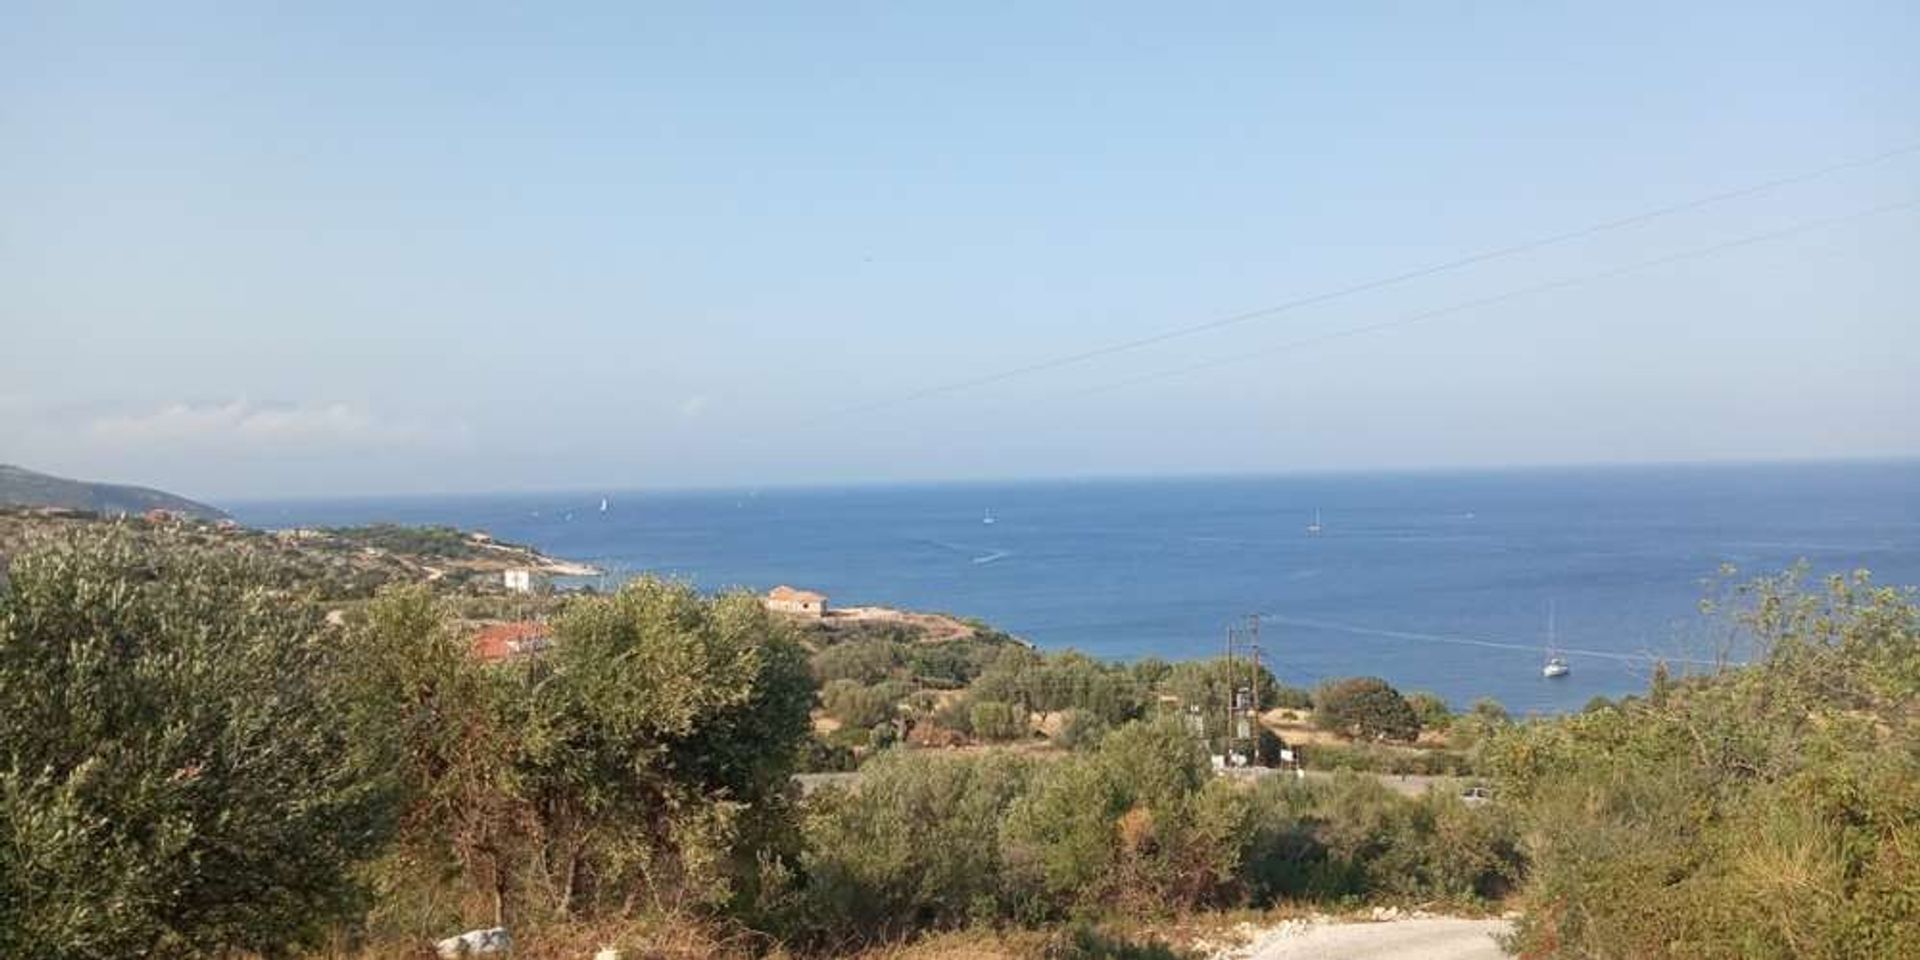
[1238, 710]
[1226, 725]
[1254, 628]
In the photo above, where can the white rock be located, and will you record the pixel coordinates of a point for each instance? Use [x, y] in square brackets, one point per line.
[476, 943]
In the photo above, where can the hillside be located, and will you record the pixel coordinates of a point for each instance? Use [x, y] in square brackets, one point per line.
[27, 488]
[342, 564]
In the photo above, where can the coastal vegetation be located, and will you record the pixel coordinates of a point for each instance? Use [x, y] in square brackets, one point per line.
[197, 761]
[1368, 708]
[174, 778]
[1766, 811]
[342, 567]
[1138, 825]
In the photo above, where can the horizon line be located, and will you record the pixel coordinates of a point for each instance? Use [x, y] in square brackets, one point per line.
[1096, 478]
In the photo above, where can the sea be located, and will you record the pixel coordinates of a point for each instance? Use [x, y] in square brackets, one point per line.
[1450, 582]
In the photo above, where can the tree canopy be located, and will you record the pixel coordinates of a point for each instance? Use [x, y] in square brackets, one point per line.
[1368, 708]
[175, 778]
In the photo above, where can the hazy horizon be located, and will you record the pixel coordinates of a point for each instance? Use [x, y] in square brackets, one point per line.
[358, 251]
[589, 492]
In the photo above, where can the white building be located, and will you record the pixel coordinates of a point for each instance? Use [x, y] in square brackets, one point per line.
[518, 581]
[805, 603]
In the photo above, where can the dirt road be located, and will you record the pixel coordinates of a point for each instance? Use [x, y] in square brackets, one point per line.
[1426, 938]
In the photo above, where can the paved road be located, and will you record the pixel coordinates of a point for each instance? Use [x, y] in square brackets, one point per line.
[1430, 938]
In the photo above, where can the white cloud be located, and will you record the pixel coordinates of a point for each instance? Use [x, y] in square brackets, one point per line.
[693, 406]
[246, 424]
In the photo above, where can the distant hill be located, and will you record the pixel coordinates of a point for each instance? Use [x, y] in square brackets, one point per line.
[26, 488]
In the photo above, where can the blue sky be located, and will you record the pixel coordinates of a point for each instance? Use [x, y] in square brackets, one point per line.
[472, 247]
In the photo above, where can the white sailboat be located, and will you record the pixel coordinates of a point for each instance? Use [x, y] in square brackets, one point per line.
[603, 504]
[1314, 528]
[1556, 665]
[988, 519]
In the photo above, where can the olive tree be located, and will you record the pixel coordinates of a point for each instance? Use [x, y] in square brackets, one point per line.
[643, 760]
[1366, 707]
[175, 776]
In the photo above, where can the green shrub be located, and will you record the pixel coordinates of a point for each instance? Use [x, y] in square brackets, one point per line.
[645, 757]
[1139, 823]
[1432, 711]
[176, 778]
[1081, 730]
[953, 663]
[994, 721]
[955, 714]
[1367, 708]
[1206, 682]
[861, 661]
[1064, 681]
[1291, 698]
[823, 755]
[1769, 811]
[858, 705]
[1354, 838]
[1150, 672]
[1378, 758]
[916, 846]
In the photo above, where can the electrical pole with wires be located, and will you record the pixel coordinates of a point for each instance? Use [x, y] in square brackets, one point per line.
[1241, 704]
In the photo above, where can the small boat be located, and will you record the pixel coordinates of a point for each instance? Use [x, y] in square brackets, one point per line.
[988, 519]
[1314, 528]
[1556, 665]
[603, 504]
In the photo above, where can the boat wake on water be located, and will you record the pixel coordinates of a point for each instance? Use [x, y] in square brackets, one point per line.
[1365, 631]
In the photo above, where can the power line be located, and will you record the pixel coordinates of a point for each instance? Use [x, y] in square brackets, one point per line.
[1462, 307]
[1484, 256]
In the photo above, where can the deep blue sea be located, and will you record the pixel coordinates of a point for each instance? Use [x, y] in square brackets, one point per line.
[1436, 581]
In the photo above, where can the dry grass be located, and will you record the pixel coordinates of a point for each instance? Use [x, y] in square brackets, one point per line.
[660, 938]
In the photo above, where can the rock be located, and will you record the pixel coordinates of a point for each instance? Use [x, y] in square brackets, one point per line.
[476, 943]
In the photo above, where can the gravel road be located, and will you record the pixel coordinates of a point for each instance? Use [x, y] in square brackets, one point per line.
[1427, 938]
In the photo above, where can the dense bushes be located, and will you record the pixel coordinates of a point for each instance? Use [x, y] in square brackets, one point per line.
[1366, 708]
[1381, 758]
[916, 845]
[644, 759]
[1137, 824]
[858, 705]
[1431, 709]
[192, 762]
[1065, 681]
[1140, 823]
[1771, 811]
[859, 661]
[1080, 730]
[175, 776]
[1353, 837]
[996, 722]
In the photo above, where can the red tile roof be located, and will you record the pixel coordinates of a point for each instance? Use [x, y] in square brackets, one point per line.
[503, 641]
